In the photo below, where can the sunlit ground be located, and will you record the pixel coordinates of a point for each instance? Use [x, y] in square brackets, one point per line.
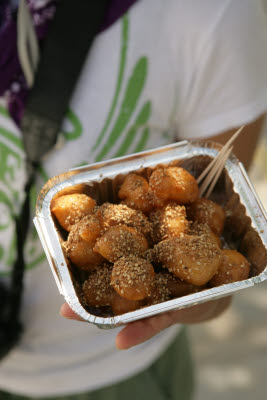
[231, 352]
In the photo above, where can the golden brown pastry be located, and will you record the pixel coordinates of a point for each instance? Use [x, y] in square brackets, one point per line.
[208, 212]
[204, 229]
[133, 278]
[119, 214]
[81, 242]
[90, 227]
[120, 305]
[120, 240]
[234, 267]
[70, 208]
[168, 286]
[97, 291]
[194, 259]
[134, 193]
[174, 184]
[169, 221]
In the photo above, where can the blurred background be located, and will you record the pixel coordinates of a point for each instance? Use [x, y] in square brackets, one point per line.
[231, 351]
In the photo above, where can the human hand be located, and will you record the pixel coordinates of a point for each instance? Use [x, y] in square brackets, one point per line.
[139, 331]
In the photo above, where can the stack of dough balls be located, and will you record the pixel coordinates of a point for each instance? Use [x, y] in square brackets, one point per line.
[161, 241]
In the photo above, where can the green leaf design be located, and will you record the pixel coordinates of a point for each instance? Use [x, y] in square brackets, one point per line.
[37, 261]
[123, 56]
[11, 137]
[4, 111]
[7, 154]
[143, 140]
[141, 119]
[77, 126]
[4, 199]
[132, 94]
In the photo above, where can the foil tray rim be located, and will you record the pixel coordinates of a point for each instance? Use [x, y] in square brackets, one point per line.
[181, 150]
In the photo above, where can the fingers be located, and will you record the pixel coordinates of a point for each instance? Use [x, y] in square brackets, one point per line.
[202, 312]
[140, 331]
[66, 312]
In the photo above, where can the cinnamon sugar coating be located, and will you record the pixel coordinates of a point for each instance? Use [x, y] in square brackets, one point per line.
[97, 291]
[169, 221]
[234, 267]
[168, 286]
[70, 208]
[161, 290]
[134, 193]
[133, 277]
[204, 229]
[193, 259]
[81, 242]
[208, 212]
[120, 214]
[174, 184]
[120, 305]
[119, 241]
[90, 227]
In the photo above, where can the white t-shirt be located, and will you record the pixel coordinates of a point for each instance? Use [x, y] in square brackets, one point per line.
[192, 67]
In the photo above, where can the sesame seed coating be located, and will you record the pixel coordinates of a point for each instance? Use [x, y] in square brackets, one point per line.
[120, 240]
[120, 214]
[195, 259]
[134, 192]
[207, 212]
[234, 267]
[70, 208]
[96, 289]
[133, 277]
[169, 221]
[174, 183]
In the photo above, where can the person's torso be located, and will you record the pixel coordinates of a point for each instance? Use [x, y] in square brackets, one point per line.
[131, 91]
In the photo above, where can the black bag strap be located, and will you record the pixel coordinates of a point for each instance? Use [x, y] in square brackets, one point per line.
[70, 36]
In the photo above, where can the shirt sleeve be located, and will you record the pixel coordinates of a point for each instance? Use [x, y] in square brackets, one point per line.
[228, 86]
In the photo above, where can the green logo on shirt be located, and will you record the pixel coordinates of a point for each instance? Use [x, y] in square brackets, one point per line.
[113, 131]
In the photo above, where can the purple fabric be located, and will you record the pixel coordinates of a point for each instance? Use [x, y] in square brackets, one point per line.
[13, 85]
[116, 9]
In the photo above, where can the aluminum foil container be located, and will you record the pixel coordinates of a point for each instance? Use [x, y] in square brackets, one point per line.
[245, 228]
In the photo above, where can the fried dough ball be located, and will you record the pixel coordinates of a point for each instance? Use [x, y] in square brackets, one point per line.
[168, 222]
[208, 212]
[194, 259]
[235, 217]
[119, 214]
[168, 286]
[120, 240]
[90, 227]
[161, 290]
[178, 288]
[80, 251]
[70, 208]
[234, 267]
[134, 192]
[155, 201]
[133, 278]
[79, 188]
[204, 229]
[174, 183]
[96, 289]
[252, 247]
[121, 305]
